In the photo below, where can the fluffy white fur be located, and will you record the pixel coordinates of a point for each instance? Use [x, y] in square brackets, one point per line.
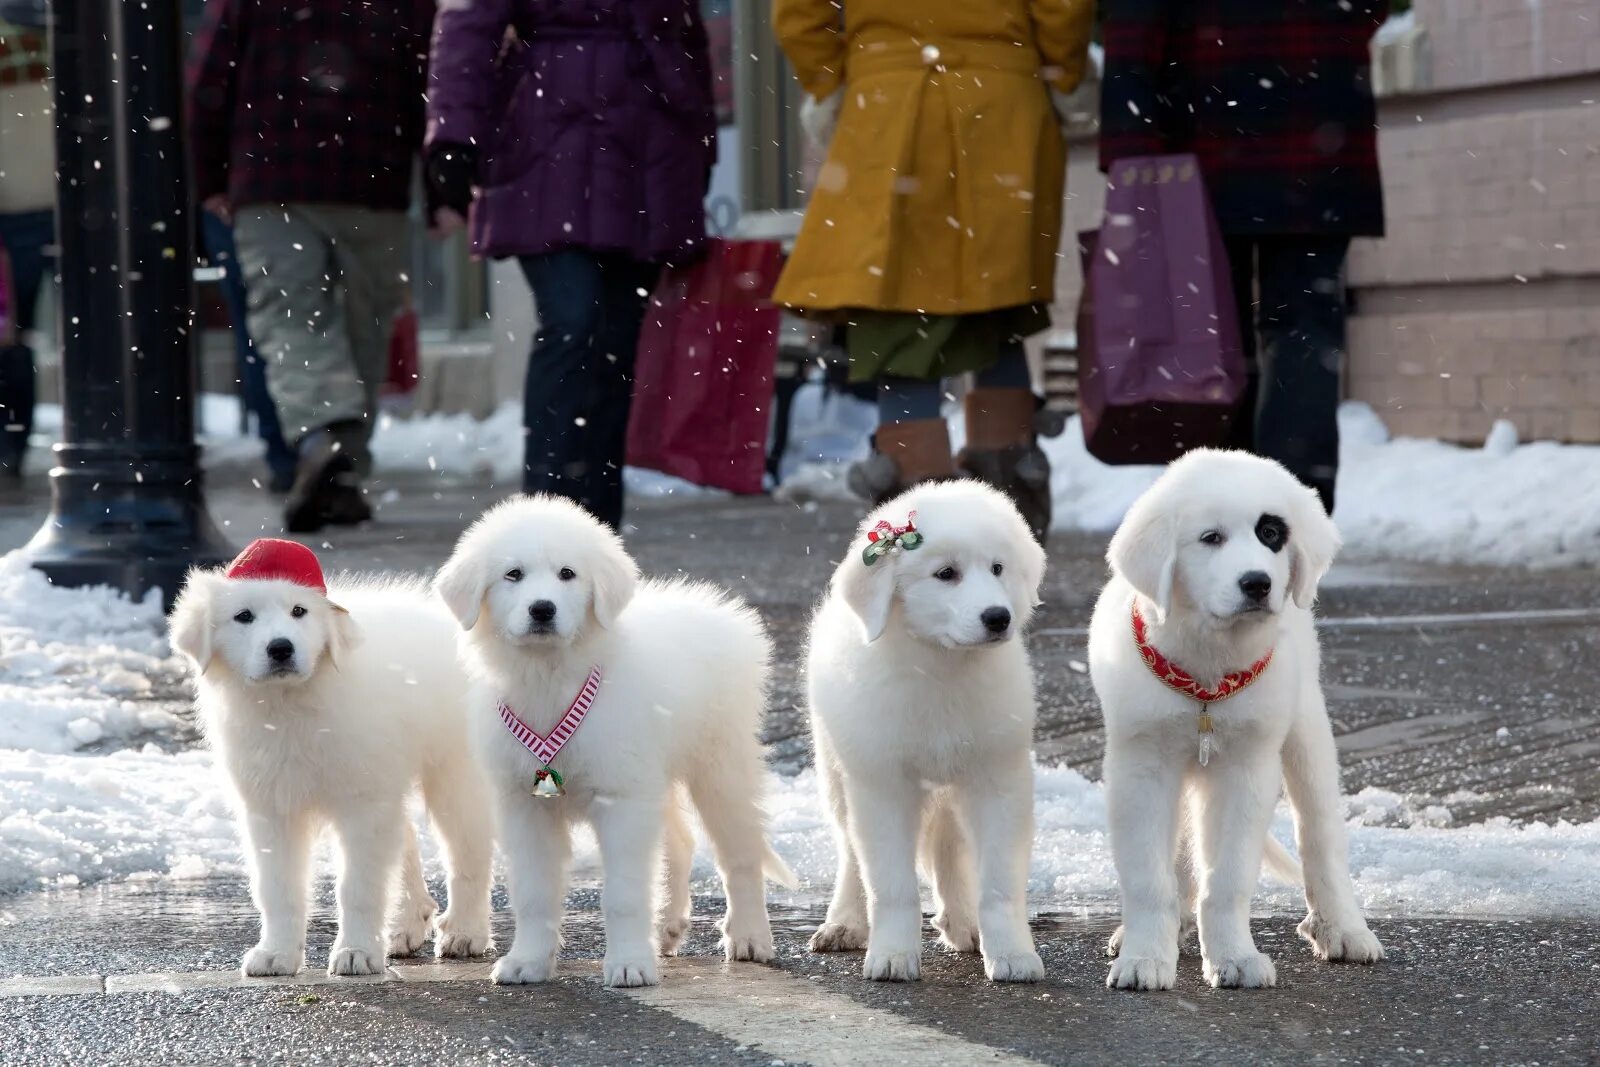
[1184, 554]
[341, 729]
[922, 719]
[544, 592]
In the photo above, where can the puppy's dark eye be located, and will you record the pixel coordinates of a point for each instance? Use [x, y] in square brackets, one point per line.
[1212, 538]
[1272, 532]
[297, 612]
[514, 574]
[998, 569]
[947, 574]
[567, 574]
[246, 617]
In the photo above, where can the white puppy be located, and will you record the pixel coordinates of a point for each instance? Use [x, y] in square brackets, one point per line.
[922, 710]
[546, 594]
[331, 708]
[1220, 559]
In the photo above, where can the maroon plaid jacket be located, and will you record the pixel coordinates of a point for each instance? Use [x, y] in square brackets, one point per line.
[1273, 96]
[309, 101]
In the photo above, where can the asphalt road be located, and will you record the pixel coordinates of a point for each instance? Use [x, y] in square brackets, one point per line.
[1444, 682]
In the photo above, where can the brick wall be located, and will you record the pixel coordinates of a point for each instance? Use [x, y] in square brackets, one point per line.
[1483, 301]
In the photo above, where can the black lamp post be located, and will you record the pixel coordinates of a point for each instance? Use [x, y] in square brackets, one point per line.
[127, 508]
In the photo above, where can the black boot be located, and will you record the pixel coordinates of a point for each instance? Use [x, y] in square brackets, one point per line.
[326, 486]
[17, 391]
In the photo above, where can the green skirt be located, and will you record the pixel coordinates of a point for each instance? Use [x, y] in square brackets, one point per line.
[904, 344]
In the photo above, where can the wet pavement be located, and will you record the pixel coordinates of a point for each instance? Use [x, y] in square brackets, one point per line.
[1474, 685]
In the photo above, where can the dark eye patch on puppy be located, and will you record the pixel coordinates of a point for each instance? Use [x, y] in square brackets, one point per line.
[1272, 532]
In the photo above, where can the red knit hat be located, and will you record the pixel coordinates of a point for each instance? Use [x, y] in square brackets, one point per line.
[268, 558]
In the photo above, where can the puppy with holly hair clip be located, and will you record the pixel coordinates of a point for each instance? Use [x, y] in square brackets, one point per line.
[922, 710]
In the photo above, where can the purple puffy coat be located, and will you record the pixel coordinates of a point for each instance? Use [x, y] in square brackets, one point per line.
[593, 121]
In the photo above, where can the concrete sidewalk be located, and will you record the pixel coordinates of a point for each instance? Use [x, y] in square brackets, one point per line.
[1444, 682]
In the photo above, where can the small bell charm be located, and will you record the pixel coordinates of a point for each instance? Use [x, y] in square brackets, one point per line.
[1207, 727]
[547, 784]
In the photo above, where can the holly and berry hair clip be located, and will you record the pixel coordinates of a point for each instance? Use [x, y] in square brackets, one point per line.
[886, 537]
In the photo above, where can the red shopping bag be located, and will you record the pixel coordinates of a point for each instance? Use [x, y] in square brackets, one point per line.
[405, 354]
[1160, 367]
[702, 387]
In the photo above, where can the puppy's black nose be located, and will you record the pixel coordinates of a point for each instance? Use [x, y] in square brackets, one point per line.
[1255, 585]
[996, 620]
[280, 650]
[542, 611]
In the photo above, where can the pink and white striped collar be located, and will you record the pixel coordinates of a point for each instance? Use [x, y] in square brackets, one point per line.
[546, 781]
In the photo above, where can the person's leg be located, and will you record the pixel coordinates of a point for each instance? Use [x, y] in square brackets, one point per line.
[373, 252]
[297, 321]
[1002, 446]
[217, 236]
[626, 285]
[567, 288]
[1242, 268]
[26, 236]
[1302, 357]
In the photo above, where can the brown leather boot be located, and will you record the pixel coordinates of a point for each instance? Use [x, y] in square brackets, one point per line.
[1003, 450]
[905, 453]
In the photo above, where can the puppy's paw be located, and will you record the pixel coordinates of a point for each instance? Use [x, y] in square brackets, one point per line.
[349, 962]
[264, 962]
[1134, 972]
[892, 964]
[958, 933]
[522, 970]
[1244, 971]
[1023, 966]
[671, 932]
[1188, 938]
[752, 945]
[1114, 944]
[408, 931]
[626, 970]
[839, 937]
[457, 939]
[1349, 941]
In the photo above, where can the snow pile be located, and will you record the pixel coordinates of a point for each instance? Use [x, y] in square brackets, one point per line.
[1504, 504]
[1491, 869]
[76, 666]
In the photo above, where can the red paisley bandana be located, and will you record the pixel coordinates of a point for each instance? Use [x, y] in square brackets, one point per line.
[1175, 677]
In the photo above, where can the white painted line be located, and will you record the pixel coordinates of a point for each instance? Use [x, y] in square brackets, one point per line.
[1400, 622]
[52, 986]
[790, 1019]
[442, 972]
[187, 981]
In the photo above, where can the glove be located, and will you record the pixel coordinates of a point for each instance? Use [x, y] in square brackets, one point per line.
[449, 173]
[819, 118]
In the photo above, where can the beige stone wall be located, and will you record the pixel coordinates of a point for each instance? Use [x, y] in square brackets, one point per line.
[1483, 301]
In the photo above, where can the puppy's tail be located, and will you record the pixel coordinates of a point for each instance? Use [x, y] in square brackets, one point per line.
[774, 868]
[1281, 864]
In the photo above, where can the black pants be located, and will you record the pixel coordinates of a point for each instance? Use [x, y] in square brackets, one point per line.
[1290, 293]
[579, 387]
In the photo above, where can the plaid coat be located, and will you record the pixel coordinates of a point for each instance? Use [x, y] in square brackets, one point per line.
[1273, 96]
[309, 101]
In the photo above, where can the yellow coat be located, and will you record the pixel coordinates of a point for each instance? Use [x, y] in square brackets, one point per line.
[942, 188]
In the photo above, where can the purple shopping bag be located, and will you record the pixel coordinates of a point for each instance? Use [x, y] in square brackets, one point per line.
[1160, 367]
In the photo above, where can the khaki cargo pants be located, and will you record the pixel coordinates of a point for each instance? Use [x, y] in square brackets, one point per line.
[324, 283]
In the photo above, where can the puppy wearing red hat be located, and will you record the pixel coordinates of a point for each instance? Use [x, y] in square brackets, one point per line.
[329, 704]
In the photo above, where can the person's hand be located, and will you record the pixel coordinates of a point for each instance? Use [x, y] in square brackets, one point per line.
[218, 205]
[449, 172]
[819, 118]
[1061, 104]
[444, 222]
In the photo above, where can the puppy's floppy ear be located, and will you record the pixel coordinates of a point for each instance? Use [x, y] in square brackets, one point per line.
[616, 577]
[189, 627]
[1144, 552]
[867, 590]
[462, 582]
[1313, 542]
[1024, 571]
[344, 633]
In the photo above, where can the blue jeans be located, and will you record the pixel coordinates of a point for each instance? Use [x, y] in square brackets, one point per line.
[217, 237]
[26, 236]
[579, 387]
[905, 399]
